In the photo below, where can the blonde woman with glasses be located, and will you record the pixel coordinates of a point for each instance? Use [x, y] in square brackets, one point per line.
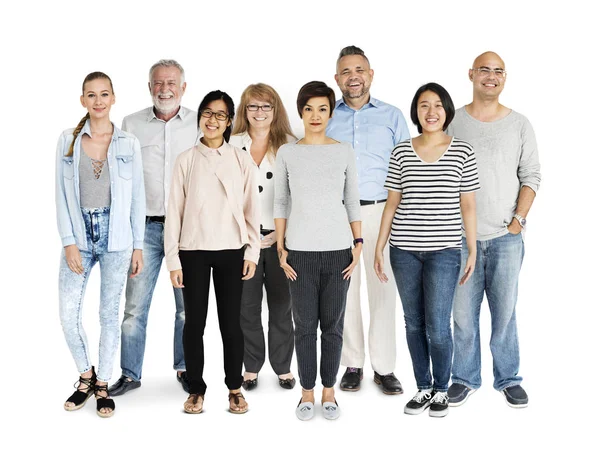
[261, 127]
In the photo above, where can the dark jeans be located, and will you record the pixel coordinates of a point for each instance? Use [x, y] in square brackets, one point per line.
[226, 268]
[319, 298]
[426, 282]
[281, 328]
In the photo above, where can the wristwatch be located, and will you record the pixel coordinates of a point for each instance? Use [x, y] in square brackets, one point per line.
[357, 240]
[522, 221]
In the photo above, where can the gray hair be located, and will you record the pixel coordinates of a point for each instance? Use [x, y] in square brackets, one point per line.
[167, 63]
[352, 50]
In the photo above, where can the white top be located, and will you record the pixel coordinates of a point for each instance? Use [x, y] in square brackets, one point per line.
[161, 143]
[266, 179]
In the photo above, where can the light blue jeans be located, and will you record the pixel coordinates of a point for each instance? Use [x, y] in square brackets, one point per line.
[113, 273]
[426, 283]
[138, 297]
[497, 274]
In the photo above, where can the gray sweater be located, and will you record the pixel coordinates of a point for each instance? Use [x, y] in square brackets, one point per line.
[316, 190]
[507, 159]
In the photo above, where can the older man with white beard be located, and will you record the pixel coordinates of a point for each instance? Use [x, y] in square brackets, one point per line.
[164, 131]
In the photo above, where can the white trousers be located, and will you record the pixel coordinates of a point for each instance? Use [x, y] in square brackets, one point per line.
[382, 304]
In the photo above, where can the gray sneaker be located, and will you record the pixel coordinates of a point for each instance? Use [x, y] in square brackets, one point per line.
[305, 411]
[331, 410]
[458, 394]
[516, 397]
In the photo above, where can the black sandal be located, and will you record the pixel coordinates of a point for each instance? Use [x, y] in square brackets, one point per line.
[79, 397]
[103, 402]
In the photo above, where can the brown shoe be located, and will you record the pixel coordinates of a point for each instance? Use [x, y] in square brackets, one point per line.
[191, 402]
[235, 397]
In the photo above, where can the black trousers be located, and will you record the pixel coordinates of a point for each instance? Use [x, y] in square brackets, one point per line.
[281, 328]
[319, 299]
[226, 268]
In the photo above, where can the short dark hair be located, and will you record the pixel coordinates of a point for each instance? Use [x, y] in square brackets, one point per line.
[315, 89]
[447, 104]
[352, 50]
[218, 95]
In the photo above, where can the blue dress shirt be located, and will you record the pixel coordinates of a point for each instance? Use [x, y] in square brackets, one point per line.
[374, 131]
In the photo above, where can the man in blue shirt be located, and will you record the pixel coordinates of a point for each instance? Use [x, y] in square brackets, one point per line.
[374, 128]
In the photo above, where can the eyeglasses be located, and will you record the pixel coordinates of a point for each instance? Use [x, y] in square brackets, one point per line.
[485, 71]
[265, 108]
[221, 116]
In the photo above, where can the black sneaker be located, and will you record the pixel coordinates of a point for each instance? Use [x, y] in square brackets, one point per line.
[419, 403]
[439, 405]
[458, 394]
[516, 397]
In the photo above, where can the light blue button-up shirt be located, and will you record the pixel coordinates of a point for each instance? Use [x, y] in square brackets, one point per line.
[374, 131]
[127, 196]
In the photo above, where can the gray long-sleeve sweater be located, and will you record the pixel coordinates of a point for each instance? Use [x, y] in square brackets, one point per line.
[316, 190]
[507, 159]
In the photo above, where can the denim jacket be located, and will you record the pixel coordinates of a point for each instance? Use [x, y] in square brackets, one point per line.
[127, 195]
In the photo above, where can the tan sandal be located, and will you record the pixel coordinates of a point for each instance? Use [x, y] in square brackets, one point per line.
[192, 401]
[235, 396]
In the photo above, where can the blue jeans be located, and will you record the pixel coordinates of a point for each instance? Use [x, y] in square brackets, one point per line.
[426, 282]
[138, 297]
[497, 274]
[71, 287]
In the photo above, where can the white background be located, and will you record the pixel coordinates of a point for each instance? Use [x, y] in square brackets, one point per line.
[49, 47]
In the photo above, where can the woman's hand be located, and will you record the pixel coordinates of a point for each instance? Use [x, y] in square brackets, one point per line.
[137, 263]
[73, 258]
[177, 278]
[248, 270]
[469, 267]
[268, 240]
[378, 266]
[347, 272]
[290, 273]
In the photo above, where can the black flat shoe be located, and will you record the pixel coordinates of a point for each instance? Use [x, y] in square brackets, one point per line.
[250, 384]
[288, 383]
[184, 380]
[122, 386]
[390, 384]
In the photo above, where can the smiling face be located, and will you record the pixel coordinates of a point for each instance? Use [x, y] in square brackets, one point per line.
[98, 98]
[487, 86]
[259, 119]
[354, 76]
[315, 115]
[431, 112]
[166, 89]
[211, 127]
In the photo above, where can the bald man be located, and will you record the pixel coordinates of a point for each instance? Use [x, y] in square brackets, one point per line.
[509, 173]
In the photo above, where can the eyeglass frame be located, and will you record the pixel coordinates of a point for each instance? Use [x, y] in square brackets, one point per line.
[500, 73]
[214, 113]
[260, 107]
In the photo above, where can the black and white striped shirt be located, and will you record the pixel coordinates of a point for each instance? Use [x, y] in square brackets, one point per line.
[428, 217]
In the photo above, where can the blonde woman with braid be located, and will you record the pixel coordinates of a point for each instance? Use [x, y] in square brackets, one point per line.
[100, 206]
[261, 127]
